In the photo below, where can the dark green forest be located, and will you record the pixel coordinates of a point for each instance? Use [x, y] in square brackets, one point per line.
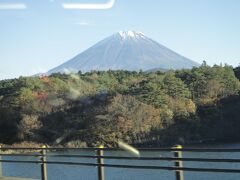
[139, 108]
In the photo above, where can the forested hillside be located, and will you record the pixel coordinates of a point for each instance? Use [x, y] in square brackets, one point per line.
[144, 109]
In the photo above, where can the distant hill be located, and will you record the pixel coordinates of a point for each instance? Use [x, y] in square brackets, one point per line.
[126, 50]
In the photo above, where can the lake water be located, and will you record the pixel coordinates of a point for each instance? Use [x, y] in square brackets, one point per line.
[66, 172]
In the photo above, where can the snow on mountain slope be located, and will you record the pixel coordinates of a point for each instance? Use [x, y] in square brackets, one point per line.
[126, 50]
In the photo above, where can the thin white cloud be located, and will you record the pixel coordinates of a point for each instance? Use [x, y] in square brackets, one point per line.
[83, 23]
[107, 5]
[12, 6]
[36, 70]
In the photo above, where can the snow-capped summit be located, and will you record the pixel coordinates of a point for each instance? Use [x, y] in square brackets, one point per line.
[125, 50]
[131, 34]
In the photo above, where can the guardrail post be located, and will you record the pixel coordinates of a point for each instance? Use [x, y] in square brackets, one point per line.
[43, 164]
[0, 162]
[178, 154]
[100, 161]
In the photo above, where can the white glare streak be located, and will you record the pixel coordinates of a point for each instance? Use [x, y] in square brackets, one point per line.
[12, 6]
[107, 5]
[128, 148]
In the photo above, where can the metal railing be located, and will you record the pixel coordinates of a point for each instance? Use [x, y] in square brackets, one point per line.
[177, 158]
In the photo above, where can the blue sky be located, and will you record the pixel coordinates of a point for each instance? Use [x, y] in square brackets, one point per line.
[42, 34]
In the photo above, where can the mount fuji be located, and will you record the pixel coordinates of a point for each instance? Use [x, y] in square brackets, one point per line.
[125, 50]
